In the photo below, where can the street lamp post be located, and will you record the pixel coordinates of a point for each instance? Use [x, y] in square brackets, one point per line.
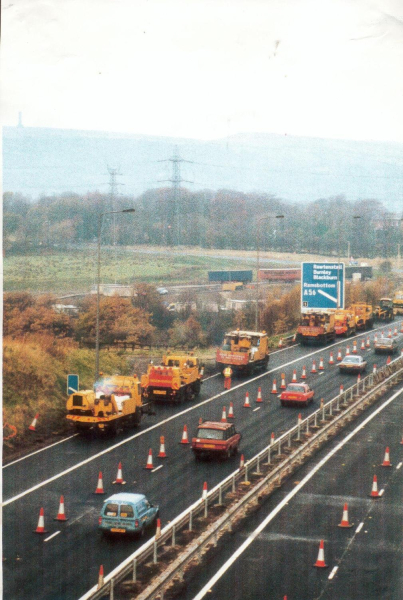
[259, 221]
[338, 292]
[100, 217]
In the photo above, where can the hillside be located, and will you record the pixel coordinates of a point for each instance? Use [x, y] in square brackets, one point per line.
[40, 161]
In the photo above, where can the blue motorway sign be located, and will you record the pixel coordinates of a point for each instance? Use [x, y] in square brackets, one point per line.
[72, 384]
[322, 285]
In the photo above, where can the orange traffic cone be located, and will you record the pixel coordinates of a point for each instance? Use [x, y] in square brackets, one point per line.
[242, 462]
[303, 376]
[224, 415]
[313, 370]
[362, 344]
[149, 464]
[280, 343]
[32, 427]
[386, 459]
[344, 519]
[388, 360]
[339, 356]
[162, 453]
[41, 523]
[321, 365]
[100, 577]
[246, 404]
[358, 377]
[368, 344]
[294, 376]
[331, 359]
[274, 388]
[320, 562]
[374, 492]
[354, 347]
[283, 384]
[259, 395]
[204, 494]
[61, 515]
[272, 438]
[390, 333]
[299, 419]
[119, 476]
[100, 485]
[374, 369]
[347, 350]
[158, 529]
[231, 411]
[185, 439]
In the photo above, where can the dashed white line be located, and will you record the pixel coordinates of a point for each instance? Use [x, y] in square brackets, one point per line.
[333, 572]
[399, 465]
[51, 536]
[381, 492]
[257, 408]
[360, 526]
[157, 468]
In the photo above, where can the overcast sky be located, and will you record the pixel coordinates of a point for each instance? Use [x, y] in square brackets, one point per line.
[206, 68]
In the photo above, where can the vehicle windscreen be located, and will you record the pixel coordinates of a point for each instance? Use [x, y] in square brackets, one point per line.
[295, 388]
[353, 360]
[210, 434]
[385, 342]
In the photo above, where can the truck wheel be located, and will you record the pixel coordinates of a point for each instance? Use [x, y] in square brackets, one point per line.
[196, 387]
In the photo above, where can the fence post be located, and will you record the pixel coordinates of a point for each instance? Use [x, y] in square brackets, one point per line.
[190, 520]
[134, 573]
[205, 508]
[111, 589]
[173, 535]
[155, 558]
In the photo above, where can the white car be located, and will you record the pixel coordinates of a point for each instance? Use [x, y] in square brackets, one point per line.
[162, 291]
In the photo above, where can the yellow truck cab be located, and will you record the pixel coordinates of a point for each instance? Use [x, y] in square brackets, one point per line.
[177, 378]
[364, 315]
[398, 302]
[316, 327]
[243, 351]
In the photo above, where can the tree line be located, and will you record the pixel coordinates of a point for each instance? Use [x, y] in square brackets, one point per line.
[222, 219]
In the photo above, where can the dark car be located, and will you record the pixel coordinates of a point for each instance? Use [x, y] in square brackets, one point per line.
[297, 393]
[353, 364]
[387, 345]
[216, 439]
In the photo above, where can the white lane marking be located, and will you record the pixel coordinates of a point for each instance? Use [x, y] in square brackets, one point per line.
[257, 408]
[286, 500]
[157, 468]
[171, 418]
[381, 492]
[41, 450]
[360, 526]
[51, 536]
[399, 465]
[210, 377]
[333, 572]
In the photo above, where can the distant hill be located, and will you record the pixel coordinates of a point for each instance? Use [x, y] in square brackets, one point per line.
[40, 161]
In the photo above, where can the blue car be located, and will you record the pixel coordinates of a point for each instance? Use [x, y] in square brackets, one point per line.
[127, 513]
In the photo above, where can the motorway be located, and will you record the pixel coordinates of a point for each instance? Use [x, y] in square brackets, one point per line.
[64, 563]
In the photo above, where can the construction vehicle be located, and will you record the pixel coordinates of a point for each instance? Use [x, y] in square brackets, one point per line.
[316, 327]
[384, 312]
[177, 378]
[364, 315]
[232, 286]
[344, 322]
[243, 351]
[114, 403]
[398, 303]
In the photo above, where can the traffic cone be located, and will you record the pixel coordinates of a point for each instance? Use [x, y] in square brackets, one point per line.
[158, 529]
[320, 562]
[184, 439]
[280, 343]
[368, 344]
[201, 371]
[294, 338]
[388, 360]
[354, 347]
[200, 420]
[101, 577]
[119, 476]
[259, 395]
[390, 333]
[374, 492]
[339, 356]
[272, 438]
[224, 415]
[274, 388]
[32, 427]
[347, 350]
[386, 460]
[162, 453]
[61, 515]
[204, 494]
[242, 462]
[374, 369]
[358, 377]
[283, 384]
[341, 389]
[362, 344]
[100, 485]
[321, 365]
[299, 419]
[149, 464]
[344, 519]
[303, 376]
[41, 523]
[313, 370]
[294, 377]
[331, 360]
[246, 404]
[231, 411]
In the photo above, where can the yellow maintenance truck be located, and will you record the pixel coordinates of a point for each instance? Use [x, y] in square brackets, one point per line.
[177, 378]
[114, 403]
[364, 315]
[243, 351]
[398, 302]
[344, 322]
[316, 327]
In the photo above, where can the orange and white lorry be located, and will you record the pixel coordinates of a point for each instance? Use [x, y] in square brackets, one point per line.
[177, 378]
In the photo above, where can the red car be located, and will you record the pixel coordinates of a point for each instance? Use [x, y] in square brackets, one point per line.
[216, 439]
[297, 393]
